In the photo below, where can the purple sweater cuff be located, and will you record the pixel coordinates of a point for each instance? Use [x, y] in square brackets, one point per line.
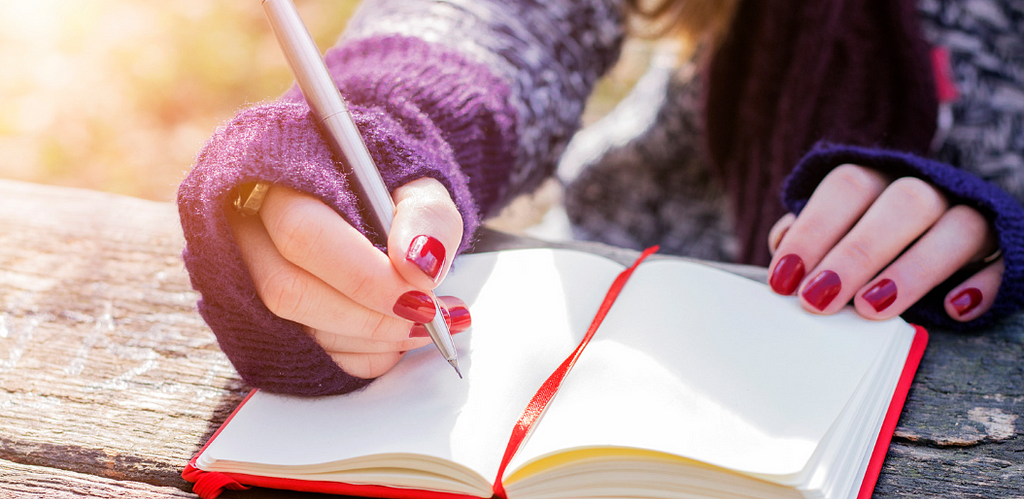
[410, 135]
[1004, 213]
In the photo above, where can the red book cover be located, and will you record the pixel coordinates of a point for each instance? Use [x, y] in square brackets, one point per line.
[892, 416]
[209, 485]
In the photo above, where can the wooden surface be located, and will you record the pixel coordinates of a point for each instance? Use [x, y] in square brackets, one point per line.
[110, 381]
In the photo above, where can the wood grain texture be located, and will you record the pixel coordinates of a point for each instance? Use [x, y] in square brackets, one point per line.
[106, 369]
[110, 381]
[26, 481]
[961, 433]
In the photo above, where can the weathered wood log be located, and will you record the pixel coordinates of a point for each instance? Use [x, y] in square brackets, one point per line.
[19, 480]
[961, 433]
[105, 367]
[110, 381]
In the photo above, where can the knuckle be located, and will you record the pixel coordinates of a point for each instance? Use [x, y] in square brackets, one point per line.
[969, 220]
[372, 365]
[813, 228]
[856, 178]
[918, 195]
[413, 343]
[445, 214]
[439, 209]
[284, 293]
[328, 341]
[374, 326]
[298, 234]
[391, 329]
[858, 255]
[917, 267]
[970, 225]
[361, 285]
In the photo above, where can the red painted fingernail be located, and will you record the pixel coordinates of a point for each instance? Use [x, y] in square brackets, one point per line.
[461, 319]
[447, 316]
[966, 300]
[457, 318]
[881, 295]
[415, 306]
[822, 289]
[787, 275]
[428, 254]
[418, 331]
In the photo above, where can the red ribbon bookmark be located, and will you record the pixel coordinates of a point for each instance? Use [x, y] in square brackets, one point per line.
[209, 485]
[547, 391]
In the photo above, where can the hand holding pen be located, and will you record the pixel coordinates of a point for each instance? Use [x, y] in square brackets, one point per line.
[363, 307]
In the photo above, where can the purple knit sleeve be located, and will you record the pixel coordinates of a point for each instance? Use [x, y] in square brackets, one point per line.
[482, 95]
[550, 54]
[455, 112]
[1003, 211]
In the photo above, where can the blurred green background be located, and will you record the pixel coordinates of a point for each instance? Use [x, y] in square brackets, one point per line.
[119, 95]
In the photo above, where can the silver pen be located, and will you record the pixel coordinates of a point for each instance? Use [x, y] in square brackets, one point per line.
[341, 134]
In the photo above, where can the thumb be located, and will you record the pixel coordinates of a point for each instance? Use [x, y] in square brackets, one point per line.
[425, 234]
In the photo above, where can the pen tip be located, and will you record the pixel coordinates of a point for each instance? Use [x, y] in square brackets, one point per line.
[455, 364]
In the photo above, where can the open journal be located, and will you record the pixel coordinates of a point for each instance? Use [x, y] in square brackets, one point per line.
[698, 383]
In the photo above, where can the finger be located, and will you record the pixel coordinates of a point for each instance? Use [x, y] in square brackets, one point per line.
[779, 231]
[975, 295]
[294, 294]
[312, 236]
[426, 232]
[374, 364]
[456, 315]
[416, 335]
[366, 365]
[338, 343]
[458, 312]
[960, 236]
[904, 211]
[836, 205]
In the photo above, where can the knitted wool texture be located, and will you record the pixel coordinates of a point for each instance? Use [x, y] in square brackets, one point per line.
[1001, 209]
[423, 110]
[455, 121]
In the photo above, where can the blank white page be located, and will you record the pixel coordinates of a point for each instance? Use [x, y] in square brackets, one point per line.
[529, 308]
[710, 366]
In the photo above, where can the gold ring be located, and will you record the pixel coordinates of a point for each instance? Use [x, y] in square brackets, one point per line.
[250, 197]
[993, 257]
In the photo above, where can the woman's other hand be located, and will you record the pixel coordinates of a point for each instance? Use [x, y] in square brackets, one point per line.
[884, 243]
[364, 307]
